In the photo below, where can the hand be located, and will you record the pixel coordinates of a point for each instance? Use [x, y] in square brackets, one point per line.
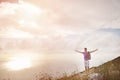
[76, 50]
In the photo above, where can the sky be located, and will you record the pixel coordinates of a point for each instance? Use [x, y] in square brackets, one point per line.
[53, 29]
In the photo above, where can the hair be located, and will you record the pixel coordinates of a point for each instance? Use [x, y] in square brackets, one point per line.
[85, 48]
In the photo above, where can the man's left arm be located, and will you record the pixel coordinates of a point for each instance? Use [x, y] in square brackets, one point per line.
[93, 51]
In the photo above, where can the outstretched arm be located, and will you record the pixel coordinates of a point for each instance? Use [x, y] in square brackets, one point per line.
[78, 51]
[93, 50]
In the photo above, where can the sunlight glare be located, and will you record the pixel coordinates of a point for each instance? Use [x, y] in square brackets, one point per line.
[19, 64]
[31, 9]
[23, 60]
[30, 15]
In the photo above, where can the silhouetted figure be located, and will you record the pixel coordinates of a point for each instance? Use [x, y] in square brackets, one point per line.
[87, 57]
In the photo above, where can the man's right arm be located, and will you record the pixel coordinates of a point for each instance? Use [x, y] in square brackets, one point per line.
[78, 51]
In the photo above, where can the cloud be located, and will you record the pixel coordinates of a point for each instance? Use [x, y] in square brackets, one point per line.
[11, 1]
[81, 15]
[59, 21]
[62, 26]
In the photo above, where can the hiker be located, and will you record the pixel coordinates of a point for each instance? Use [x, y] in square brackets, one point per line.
[87, 57]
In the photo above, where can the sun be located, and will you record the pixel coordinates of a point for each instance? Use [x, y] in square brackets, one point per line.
[19, 64]
[23, 60]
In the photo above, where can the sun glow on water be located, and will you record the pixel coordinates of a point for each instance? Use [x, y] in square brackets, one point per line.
[23, 60]
[19, 64]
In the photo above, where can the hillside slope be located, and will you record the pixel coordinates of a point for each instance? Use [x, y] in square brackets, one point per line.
[107, 71]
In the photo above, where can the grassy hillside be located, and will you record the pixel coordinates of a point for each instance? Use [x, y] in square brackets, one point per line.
[106, 71]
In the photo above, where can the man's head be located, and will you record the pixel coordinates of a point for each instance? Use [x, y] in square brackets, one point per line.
[85, 49]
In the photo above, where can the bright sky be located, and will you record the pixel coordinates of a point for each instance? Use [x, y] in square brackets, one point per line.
[54, 28]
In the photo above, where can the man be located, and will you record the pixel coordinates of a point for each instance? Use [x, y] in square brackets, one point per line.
[87, 57]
